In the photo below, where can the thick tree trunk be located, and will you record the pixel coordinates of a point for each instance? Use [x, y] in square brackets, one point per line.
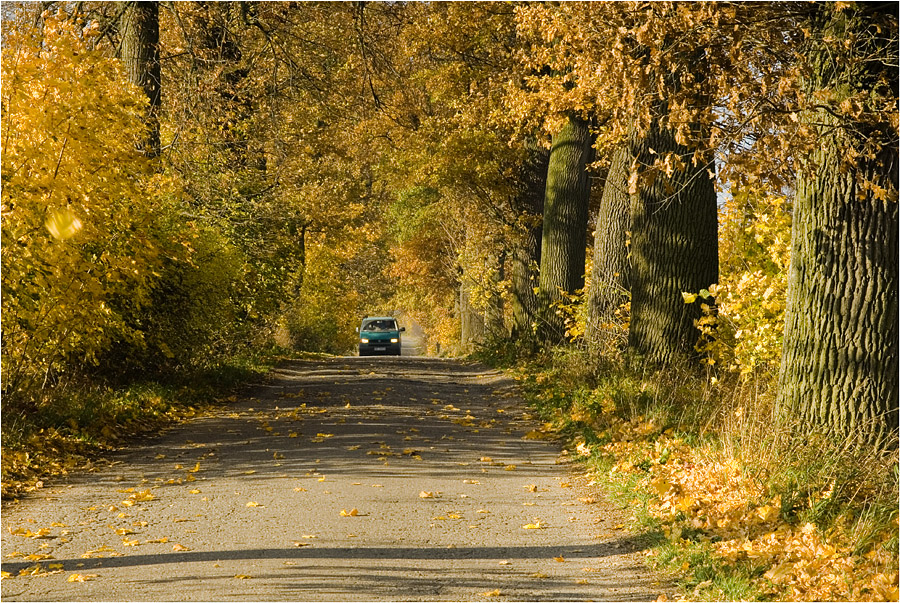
[609, 286]
[140, 56]
[525, 256]
[564, 232]
[674, 249]
[839, 362]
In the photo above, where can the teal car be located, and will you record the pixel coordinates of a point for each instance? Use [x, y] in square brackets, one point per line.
[379, 335]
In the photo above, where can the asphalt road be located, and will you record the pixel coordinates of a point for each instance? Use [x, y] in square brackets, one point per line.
[338, 480]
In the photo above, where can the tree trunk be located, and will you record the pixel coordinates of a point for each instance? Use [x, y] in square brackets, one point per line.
[610, 286]
[564, 232]
[839, 361]
[471, 325]
[140, 56]
[674, 249]
[526, 253]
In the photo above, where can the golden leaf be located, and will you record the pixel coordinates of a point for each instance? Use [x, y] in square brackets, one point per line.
[62, 224]
[253, 504]
[351, 513]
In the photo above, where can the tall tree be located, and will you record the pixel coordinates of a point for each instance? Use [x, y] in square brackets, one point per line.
[674, 247]
[610, 284]
[140, 55]
[839, 364]
[564, 233]
[525, 256]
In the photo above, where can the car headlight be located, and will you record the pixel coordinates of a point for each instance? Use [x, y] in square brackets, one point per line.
[364, 341]
[394, 340]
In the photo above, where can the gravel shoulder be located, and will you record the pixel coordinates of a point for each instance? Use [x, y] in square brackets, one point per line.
[346, 479]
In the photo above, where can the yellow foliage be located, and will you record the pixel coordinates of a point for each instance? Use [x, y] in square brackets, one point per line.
[75, 202]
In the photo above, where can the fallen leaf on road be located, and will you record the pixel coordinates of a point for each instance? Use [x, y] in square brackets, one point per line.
[250, 472]
[509, 468]
[471, 481]
[486, 459]
[491, 593]
[126, 542]
[180, 547]
[298, 543]
[505, 563]
[80, 578]
[299, 489]
[253, 504]
[242, 577]
[351, 513]
[533, 526]
[539, 575]
[424, 494]
[560, 559]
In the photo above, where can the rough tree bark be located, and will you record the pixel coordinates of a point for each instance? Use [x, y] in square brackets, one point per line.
[674, 249]
[140, 56]
[525, 256]
[610, 285]
[840, 354]
[564, 233]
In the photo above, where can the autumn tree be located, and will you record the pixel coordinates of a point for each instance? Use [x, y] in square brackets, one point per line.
[564, 227]
[839, 367]
[80, 255]
[140, 56]
[525, 252]
[609, 290]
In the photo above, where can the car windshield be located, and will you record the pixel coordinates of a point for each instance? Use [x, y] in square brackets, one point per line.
[380, 325]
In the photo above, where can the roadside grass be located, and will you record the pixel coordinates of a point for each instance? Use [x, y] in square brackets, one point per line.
[735, 506]
[74, 427]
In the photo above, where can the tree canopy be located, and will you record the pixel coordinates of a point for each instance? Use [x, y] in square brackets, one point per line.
[191, 179]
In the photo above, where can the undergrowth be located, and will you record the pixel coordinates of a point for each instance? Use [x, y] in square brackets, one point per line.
[71, 429]
[740, 508]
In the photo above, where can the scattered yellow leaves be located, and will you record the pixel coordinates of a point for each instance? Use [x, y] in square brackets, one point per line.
[351, 513]
[537, 525]
[491, 593]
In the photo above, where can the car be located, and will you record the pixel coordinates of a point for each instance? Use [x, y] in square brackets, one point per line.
[379, 335]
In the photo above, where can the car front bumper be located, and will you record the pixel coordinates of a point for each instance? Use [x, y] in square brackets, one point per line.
[379, 347]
